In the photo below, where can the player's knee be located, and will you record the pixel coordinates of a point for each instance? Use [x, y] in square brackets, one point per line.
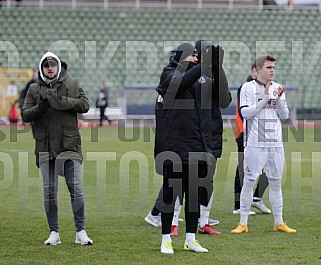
[248, 174]
[248, 183]
[274, 183]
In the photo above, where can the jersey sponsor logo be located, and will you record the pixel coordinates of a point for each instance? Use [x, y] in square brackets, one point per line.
[271, 104]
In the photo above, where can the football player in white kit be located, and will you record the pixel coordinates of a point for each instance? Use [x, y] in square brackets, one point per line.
[263, 105]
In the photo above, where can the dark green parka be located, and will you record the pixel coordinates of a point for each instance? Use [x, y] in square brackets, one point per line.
[56, 130]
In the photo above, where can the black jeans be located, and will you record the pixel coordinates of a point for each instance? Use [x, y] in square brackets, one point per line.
[185, 183]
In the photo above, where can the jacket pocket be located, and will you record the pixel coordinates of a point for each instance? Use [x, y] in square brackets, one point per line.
[71, 141]
[41, 137]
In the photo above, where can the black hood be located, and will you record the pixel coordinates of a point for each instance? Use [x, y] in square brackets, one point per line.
[182, 66]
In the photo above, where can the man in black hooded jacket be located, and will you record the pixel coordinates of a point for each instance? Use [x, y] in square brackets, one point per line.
[190, 137]
[217, 73]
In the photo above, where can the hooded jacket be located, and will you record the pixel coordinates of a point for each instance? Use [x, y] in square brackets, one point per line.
[189, 120]
[56, 129]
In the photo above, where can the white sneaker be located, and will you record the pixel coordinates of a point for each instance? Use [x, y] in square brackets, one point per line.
[261, 206]
[53, 239]
[238, 211]
[195, 246]
[212, 222]
[167, 248]
[82, 238]
[153, 220]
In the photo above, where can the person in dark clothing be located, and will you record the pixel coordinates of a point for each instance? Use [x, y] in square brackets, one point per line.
[205, 222]
[24, 91]
[52, 105]
[239, 174]
[190, 136]
[225, 99]
[18, 2]
[269, 2]
[102, 103]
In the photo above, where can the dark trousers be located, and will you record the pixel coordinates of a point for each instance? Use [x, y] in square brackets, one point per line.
[73, 178]
[102, 116]
[182, 184]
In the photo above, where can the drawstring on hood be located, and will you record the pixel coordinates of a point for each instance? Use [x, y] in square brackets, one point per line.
[50, 82]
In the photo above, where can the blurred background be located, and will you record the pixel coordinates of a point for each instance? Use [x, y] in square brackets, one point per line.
[125, 44]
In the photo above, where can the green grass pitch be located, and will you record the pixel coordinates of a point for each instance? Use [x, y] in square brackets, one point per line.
[120, 188]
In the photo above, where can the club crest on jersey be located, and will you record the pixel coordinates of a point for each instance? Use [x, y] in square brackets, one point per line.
[201, 80]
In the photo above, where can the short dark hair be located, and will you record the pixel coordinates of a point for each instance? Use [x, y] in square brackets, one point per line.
[259, 62]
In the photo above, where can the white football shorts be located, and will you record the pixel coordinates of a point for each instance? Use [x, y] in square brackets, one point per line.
[269, 159]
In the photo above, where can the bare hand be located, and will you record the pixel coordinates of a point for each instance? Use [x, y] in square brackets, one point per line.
[280, 90]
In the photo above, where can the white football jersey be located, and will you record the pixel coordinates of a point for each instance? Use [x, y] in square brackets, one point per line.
[263, 128]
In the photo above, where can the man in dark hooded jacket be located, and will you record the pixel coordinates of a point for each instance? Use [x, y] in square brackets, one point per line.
[190, 112]
[216, 72]
[52, 105]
